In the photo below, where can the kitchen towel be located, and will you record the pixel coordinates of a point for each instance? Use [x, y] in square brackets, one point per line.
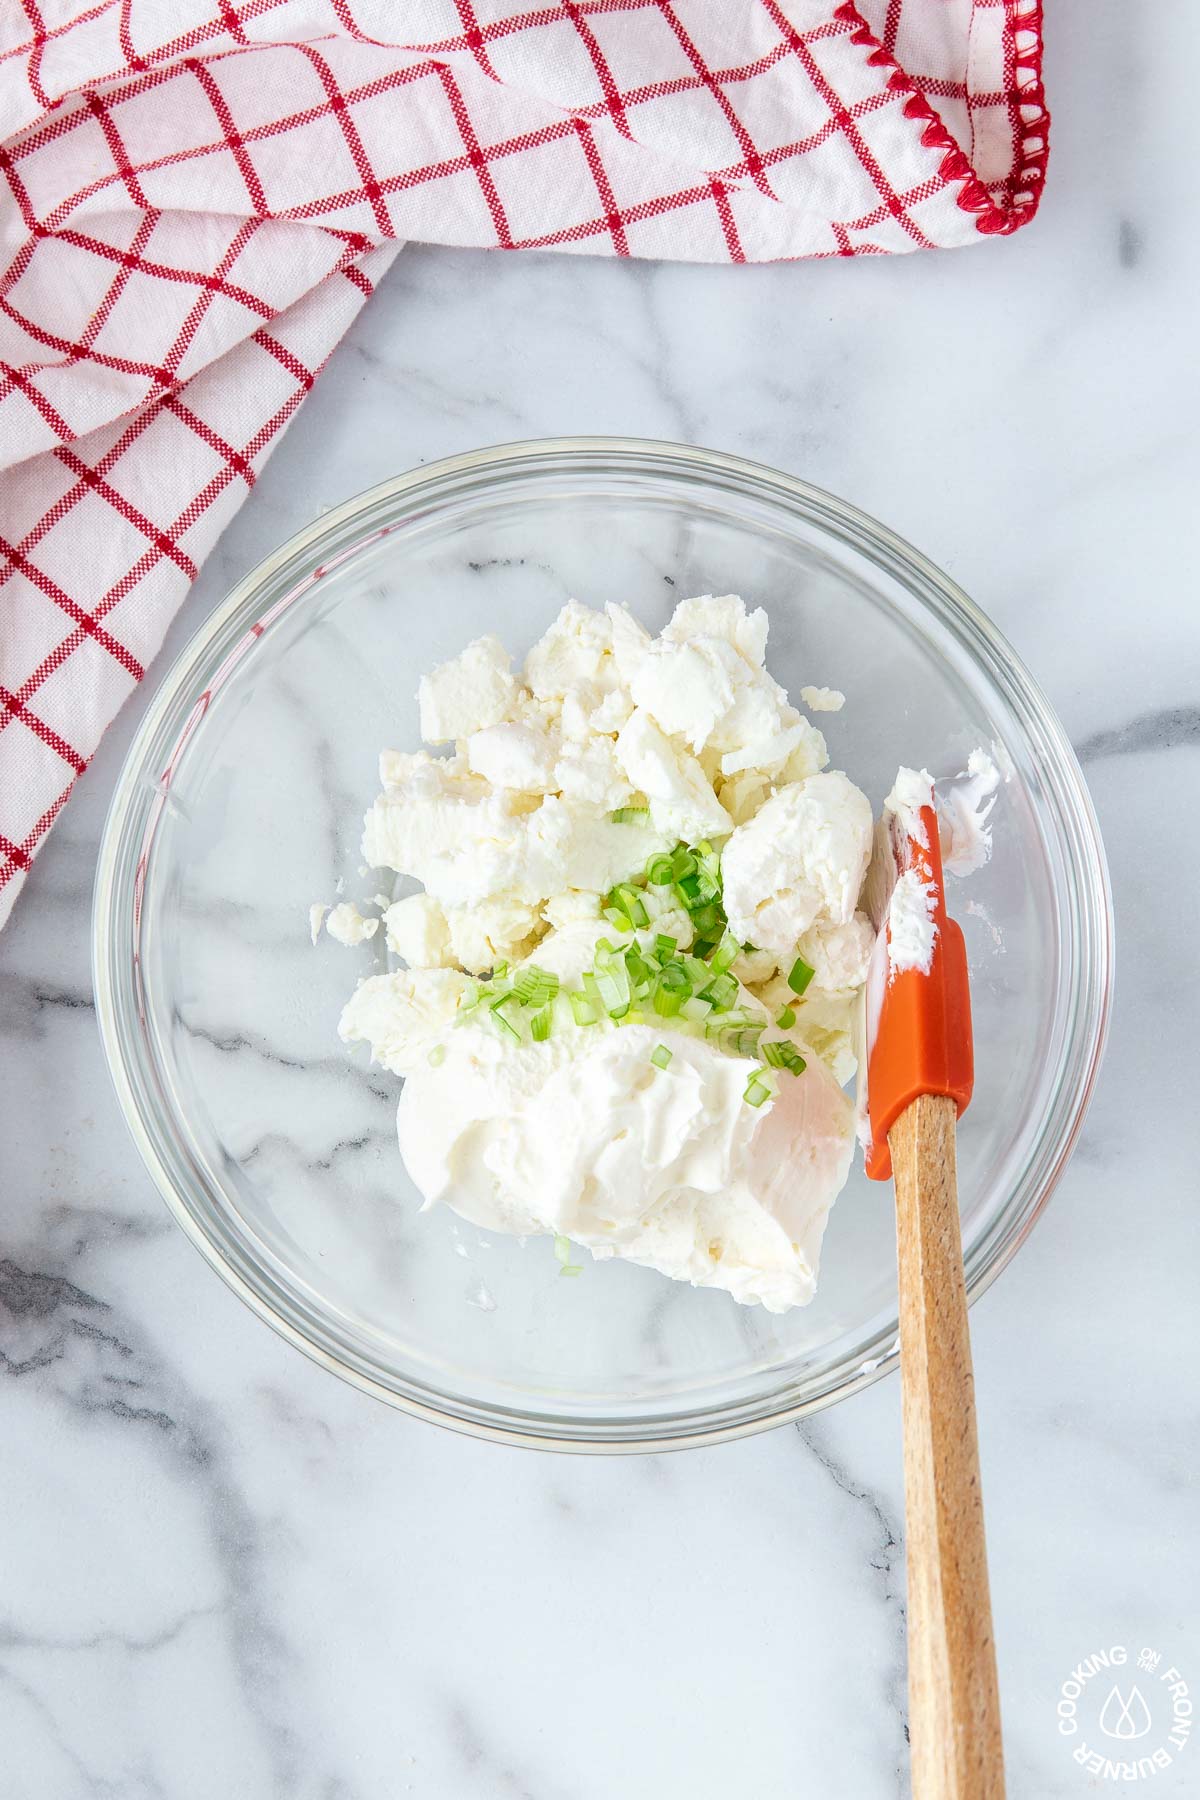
[197, 198]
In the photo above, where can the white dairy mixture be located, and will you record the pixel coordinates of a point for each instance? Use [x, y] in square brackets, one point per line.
[902, 901]
[709, 1142]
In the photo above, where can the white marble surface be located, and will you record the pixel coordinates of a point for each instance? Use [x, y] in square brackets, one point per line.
[226, 1574]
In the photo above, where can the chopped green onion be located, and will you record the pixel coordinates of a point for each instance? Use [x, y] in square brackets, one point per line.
[800, 976]
[630, 815]
[659, 872]
[683, 863]
[639, 971]
[471, 1001]
[734, 1040]
[562, 1250]
[782, 1055]
[732, 1017]
[722, 992]
[612, 984]
[661, 1057]
[504, 1026]
[664, 946]
[500, 970]
[593, 993]
[787, 1018]
[626, 896]
[695, 1009]
[724, 1024]
[757, 1090]
[437, 1056]
[619, 919]
[541, 1023]
[708, 921]
[535, 987]
[585, 1013]
[615, 1003]
[671, 990]
[727, 953]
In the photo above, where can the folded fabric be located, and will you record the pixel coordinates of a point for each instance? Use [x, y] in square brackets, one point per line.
[196, 199]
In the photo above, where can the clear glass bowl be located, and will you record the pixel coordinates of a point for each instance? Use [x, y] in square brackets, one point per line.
[241, 801]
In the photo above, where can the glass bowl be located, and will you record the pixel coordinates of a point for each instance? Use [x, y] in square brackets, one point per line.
[240, 803]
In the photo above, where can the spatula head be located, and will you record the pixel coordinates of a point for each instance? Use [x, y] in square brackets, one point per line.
[918, 1021]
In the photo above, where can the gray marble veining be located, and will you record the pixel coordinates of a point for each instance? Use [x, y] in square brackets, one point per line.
[227, 1574]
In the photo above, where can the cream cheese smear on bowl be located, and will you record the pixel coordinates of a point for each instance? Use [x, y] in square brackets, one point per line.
[632, 994]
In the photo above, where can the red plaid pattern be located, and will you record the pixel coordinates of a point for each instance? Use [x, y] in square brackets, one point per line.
[196, 198]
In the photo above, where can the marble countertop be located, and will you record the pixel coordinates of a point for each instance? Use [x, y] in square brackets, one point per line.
[227, 1574]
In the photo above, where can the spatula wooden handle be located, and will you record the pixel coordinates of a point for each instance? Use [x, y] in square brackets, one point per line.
[953, 1701]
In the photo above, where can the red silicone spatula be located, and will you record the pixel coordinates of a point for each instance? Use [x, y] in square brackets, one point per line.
[919, 1077]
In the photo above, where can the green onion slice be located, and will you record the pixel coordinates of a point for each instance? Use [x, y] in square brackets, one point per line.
[541, 1024]
[641, 975]
[504, 1026]
[535, 987]
[562, 1250]
[660, 1056]
[471, 1002]
[585, 1013]
[782, 1055]
[802, 973]
[631, 815]
[612, 985]
[757, 1089]
[723, 991]
[725, 955]
[787, 1018]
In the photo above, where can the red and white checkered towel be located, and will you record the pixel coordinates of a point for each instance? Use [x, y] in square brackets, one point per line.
[198, 196]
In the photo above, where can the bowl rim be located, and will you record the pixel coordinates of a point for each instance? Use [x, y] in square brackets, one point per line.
[487, 1420]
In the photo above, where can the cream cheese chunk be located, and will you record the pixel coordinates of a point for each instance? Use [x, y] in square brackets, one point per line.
[665, 1167]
